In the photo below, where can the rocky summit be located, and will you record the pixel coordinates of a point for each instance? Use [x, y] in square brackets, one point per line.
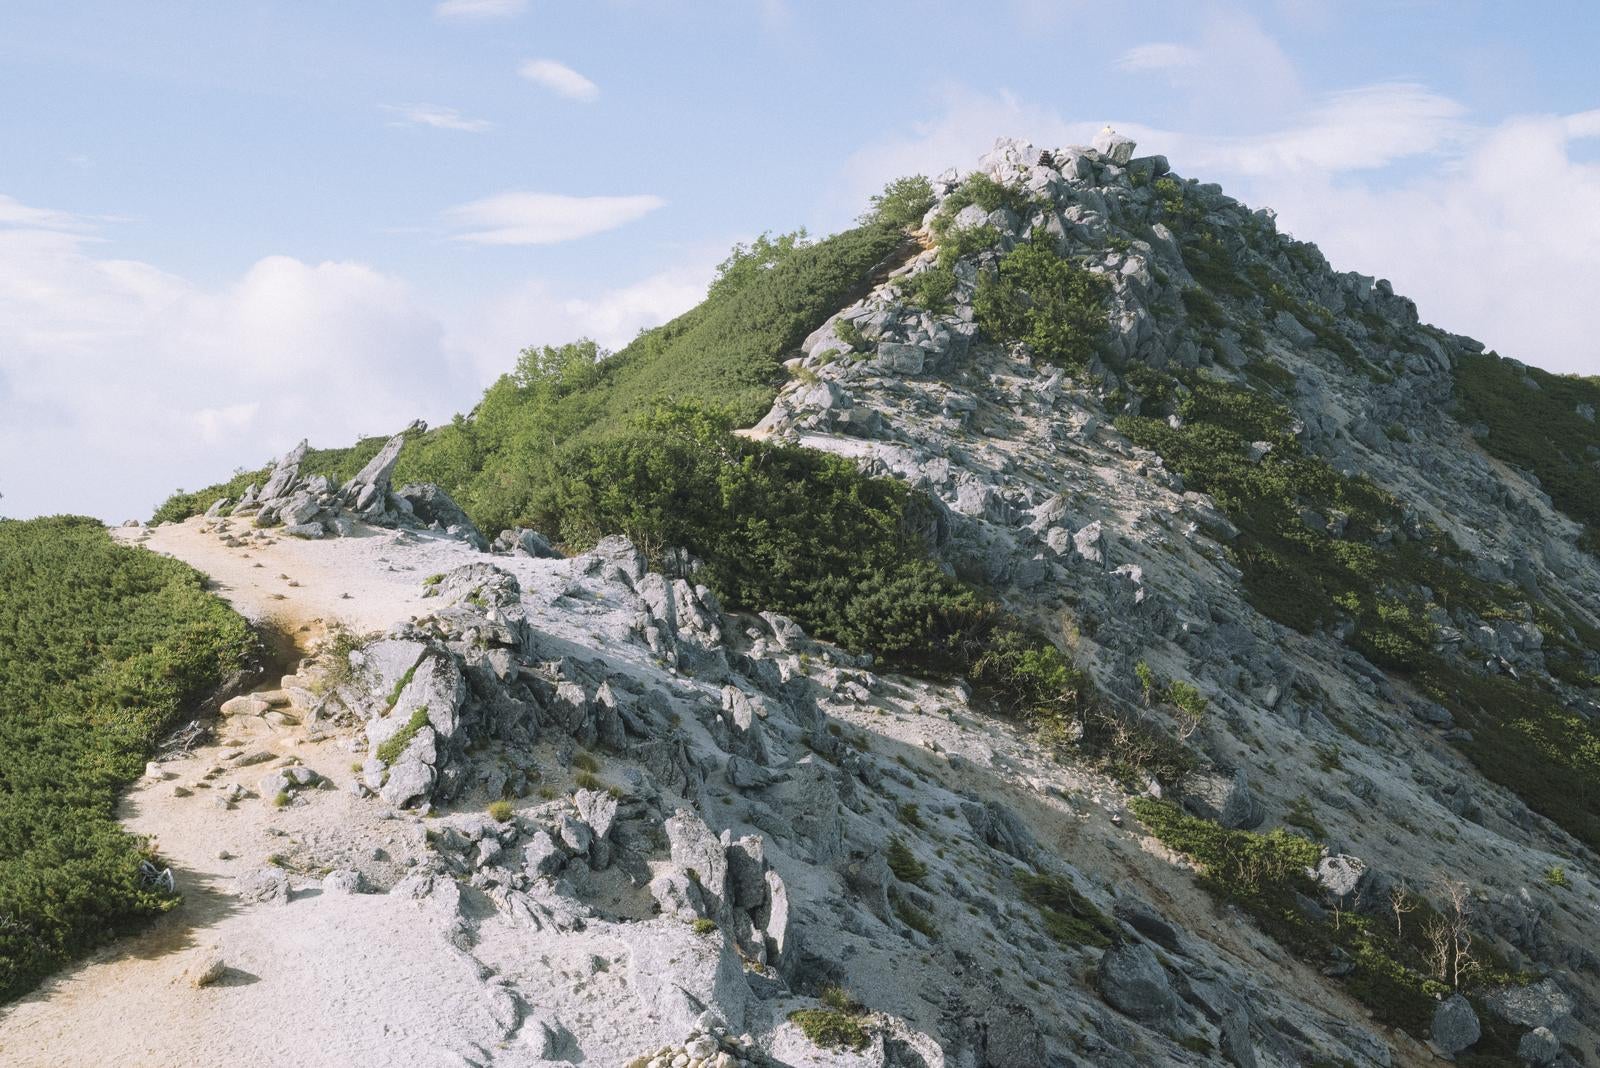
[1303, 769]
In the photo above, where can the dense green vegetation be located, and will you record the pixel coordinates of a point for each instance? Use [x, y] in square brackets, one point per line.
[503, 463]
[1395, 957]
[727, 351]
[932, 287]
[1534, 423]
[1035, 296]
[1298, 572]
[902, 203]
[781, 528]
[100, 647]
[1524, 739]
[1240, 447]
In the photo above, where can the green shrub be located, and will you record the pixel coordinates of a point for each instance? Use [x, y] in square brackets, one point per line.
[1188, 699]
[101, 647]
[1533, 422]
[1027, 676]
[850, 334]
[1293, 572]
[988, 194]
[902, 203]
[913, 917]
[1147, 681]
[932, 287]
[500, 811]
[1239, 865]
[779, 527]
[839, 999]
[1055, 306]
[704, 926]
[904, 863]
[1266, 876]
[389, 751]
[1069, 917]
[1556, 875]
[830, 1028]
[1523, 738]
[746, 263]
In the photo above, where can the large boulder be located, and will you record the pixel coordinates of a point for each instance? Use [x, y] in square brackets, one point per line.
[1114, 146]
[369, 490]
[264, 886]
[699, 855]
[1455, 1025]
[1539, 1047]
[1340, 876]
[432, 506]
[1540, 1004]
[285, 474]
[1011, 1037]
[1133, 982]
[1227, 799]
[1001, 829]
[1148, 922]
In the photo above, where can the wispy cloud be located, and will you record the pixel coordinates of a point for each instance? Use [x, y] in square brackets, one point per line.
[479, 9]
[435, 115]
[560, 79]
[15, 213]
[1158, 55]
[544, 218]
[1358, 129]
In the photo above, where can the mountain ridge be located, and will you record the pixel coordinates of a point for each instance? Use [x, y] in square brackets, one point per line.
[1161, 548]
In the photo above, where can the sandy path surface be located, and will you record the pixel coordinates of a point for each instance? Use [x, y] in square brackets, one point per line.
[366, 582]
[326, 978]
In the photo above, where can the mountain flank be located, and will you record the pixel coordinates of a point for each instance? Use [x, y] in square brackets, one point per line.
[1059, 621]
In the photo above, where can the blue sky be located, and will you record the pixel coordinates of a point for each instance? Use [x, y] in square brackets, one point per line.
[227, 226]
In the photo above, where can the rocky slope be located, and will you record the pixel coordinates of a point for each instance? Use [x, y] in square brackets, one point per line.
[541, 810]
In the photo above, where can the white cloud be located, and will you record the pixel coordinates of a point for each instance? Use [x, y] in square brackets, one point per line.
[124, 380]
[15, 213]
[1158, 55]
[545, 218]
[537, 312]
[560, 79]
[120, 381]
[437, 116]
[1232, 72]
[1358, 129]
[479, 9]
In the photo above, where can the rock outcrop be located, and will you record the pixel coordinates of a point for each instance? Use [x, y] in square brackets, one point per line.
[317, 507]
